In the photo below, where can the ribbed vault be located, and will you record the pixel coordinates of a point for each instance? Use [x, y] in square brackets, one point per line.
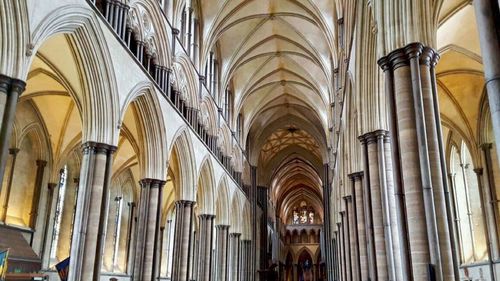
[277, 59]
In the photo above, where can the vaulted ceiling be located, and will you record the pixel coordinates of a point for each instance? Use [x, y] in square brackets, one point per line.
[277, 58]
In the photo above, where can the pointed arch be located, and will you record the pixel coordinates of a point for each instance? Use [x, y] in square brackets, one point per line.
[246, 221]
[237, 224]
[206, 187]
[98, 101]
[153, 157]
[182, 152]
[14, 38]
[185, 80]
[208, 115]
[222, 202]
[157, 36]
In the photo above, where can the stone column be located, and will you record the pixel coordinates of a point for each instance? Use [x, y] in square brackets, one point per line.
[10, 90]
[159, 234]
[327, 223]
[221, 267]
[380, 234]
[491, 199]
[360, 227]
[87, 244]
[253, 244]
[337, 267]
[13, 152]
[76, 182]
[140, 231]
[182, 243]
[367, 208]
[487, 25]
[234, 252]
[414, 115]
[40, 169]
[131, 206]
[205, 247]
[244, 260]
[353, 241]
[168, 251]
[347, 238]
[479, 174]
[160, 252]
[152, 229]
[340, 255]
[46, 231]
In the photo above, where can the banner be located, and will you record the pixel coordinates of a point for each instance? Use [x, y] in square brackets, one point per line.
[63, 269]
[4, 255]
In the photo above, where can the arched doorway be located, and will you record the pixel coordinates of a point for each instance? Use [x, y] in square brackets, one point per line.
[305, 270]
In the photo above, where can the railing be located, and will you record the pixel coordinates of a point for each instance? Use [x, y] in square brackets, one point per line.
[115, 13]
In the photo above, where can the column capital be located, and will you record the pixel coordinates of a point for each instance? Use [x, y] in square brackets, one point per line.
[206, 217]
[131, 204]
[41, 163]
[234, 234]
[97, 147]
[222, 226]
[478, 171]
[384, 63]
[145, 182]
[76, 180]
[8, 84]
[175, 31]
[397, 59]
[51, 185]
[435, 59]
[184, 203]
[356, 176]
[348, 197]
[427, 57]
[14, 151]
[413, 50]
[157, 183]
[486, 146]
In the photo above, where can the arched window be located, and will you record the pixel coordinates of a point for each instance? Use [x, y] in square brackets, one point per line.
[239, 127]
[59, 212]
[469, 224]
[228, 105]
[190, 31]
[212, 73]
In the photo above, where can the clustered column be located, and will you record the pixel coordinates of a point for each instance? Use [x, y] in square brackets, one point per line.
[234, 252]
[414, 119]
[245, 260]
[147, 231]
[360, 247]
[182, 236]
[327, 235]
[13, 152]
[10, 90]
[205, 247]
[87, 244]
[381, 212]
[40, 169]
[221, 269]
